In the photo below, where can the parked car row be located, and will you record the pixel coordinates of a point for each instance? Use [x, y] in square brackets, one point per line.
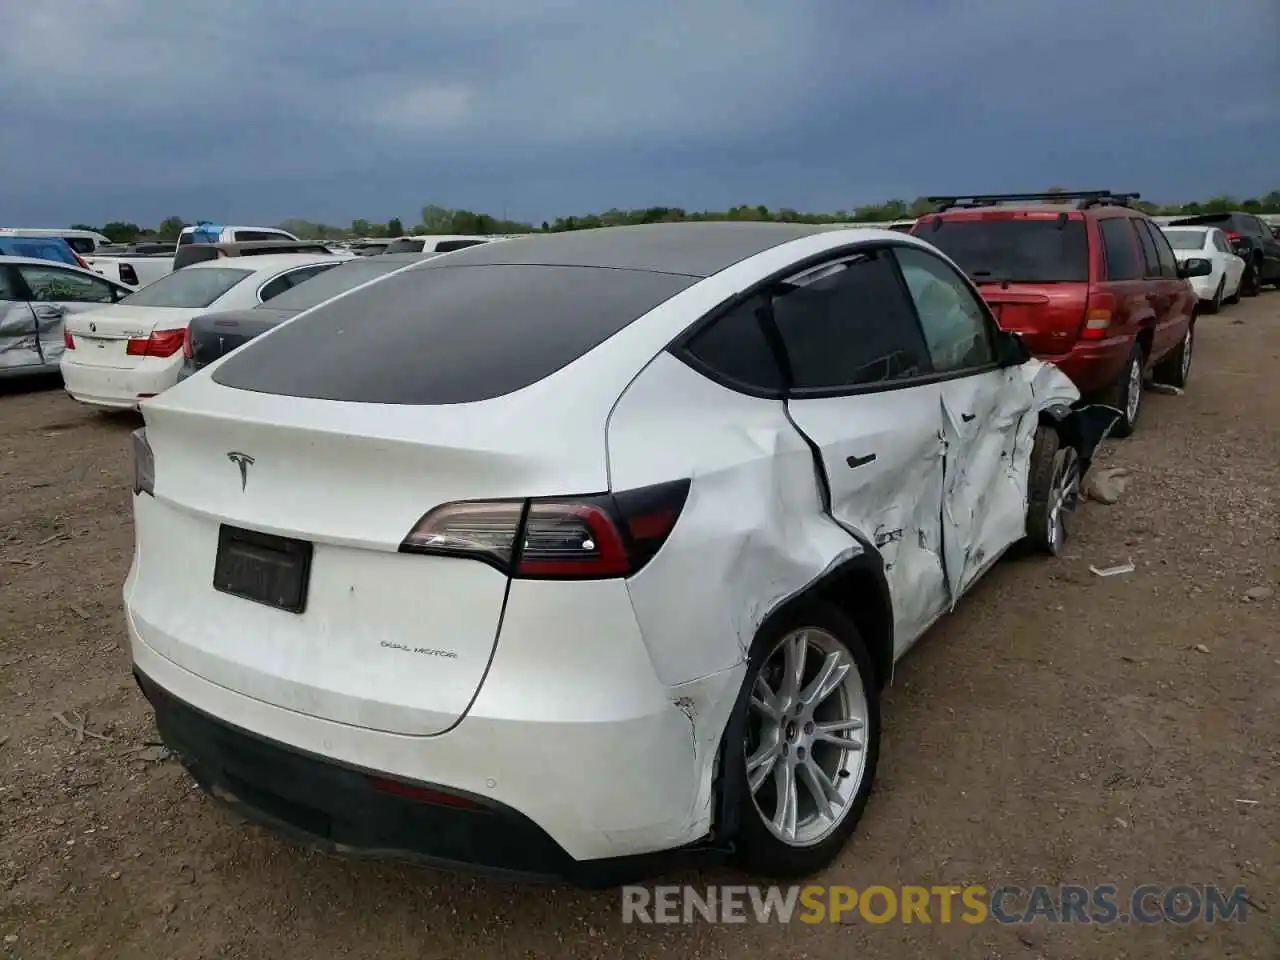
[422, 527]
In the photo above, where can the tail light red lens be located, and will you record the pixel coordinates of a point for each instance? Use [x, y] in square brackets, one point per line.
[161, 343]
[1233, 237]
[409, 791]
[187, 352]
[68, 341]
[83, 264]
[571, 538]
[1097, 316]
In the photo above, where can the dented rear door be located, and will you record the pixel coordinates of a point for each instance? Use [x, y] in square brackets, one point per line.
[19, 344]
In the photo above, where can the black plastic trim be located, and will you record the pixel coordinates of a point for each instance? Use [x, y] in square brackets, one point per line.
[324, 804]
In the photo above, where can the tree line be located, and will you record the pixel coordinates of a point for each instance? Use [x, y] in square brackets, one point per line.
[436, 219]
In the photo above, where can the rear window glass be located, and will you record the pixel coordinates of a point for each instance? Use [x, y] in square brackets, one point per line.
[1020, 251]
[37, 248]
[81, 245]
[1185, 239]
[405, 245]
[192, 287]
[448, 334]
[330, 283]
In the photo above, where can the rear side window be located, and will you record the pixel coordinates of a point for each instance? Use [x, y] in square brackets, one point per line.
[1220, 241]
[197, 287]
[1188, 239]
[448, 246]
[244, 236]
[405, 245]
[1016, 250]
[81, 245]
[1150, 258]
[449, 334]
[1168, 262]
[341, 278]
[290, 280]
[1121, 249]
[850, 325]
[734, 347]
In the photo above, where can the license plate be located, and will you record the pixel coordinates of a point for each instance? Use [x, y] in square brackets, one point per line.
[263, 568]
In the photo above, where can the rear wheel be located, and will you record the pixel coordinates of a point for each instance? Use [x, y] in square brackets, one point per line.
[1126, 394]
[1249, 283]
[1214, 305]
[1175, 369]
[1053, 491]
[812, 742]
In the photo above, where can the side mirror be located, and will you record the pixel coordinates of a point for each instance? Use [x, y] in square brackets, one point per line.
[1010, 350]
[1194, 267]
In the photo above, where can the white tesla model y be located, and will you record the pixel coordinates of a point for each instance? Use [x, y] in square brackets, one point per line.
[560, 555]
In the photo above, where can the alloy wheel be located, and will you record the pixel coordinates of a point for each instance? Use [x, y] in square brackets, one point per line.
[1133, 397]
[806, 739]
[1064, 496]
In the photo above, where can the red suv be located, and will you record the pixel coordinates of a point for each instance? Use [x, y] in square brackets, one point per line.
[1088, 281]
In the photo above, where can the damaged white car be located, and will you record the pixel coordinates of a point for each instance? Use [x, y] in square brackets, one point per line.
[556, 556]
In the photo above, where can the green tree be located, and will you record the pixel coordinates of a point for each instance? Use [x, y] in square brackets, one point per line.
[395, 228]
[361, 228]
[118, 232]
[437, 219]
[170, 228]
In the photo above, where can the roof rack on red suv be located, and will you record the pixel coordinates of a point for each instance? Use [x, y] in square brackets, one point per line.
[1084, 276]
[1085, 199]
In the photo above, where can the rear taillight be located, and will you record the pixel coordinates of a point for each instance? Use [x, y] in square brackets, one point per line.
[80, 261]
[1097, 316]
[162, 343]
[144, 464]
[1235, 237]
[187, 352]
[68, 341]
[128, 274]
[569, 538]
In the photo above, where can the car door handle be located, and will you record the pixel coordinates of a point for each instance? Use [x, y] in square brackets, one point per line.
[968, 417]
[856, 462]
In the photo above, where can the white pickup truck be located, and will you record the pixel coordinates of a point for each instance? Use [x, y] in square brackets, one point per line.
[137, 270]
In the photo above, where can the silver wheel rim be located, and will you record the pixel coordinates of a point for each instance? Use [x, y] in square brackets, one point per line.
[806, 737]
[1186, 352]
[1064, 495]
[1135, 391]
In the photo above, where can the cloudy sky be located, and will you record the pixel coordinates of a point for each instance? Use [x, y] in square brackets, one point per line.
[253, 111]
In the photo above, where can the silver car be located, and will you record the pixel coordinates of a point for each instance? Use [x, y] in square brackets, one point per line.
[35, 297]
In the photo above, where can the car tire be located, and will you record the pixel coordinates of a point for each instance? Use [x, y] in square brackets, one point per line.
[1175, 369]
[1249, 285]
[1126, 394]
[1053, 491]
[788, 737]
[1214, 305]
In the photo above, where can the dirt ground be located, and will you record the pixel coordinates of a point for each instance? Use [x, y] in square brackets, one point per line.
[1060, 728]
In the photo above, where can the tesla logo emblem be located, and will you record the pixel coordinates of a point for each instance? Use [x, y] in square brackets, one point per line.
[93, 327]
[241, 460]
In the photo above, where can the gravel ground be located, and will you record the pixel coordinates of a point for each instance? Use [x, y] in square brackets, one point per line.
[1059, 728]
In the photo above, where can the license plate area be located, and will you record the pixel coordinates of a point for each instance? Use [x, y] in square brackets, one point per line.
[267, 569]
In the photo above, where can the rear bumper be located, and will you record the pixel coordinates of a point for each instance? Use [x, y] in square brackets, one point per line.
[590, 764]
[343, 809]
[1093, 366]
[118, 387]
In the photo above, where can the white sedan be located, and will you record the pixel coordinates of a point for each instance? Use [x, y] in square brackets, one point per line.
[548, 555]
[1209, 243]
[119, 355]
